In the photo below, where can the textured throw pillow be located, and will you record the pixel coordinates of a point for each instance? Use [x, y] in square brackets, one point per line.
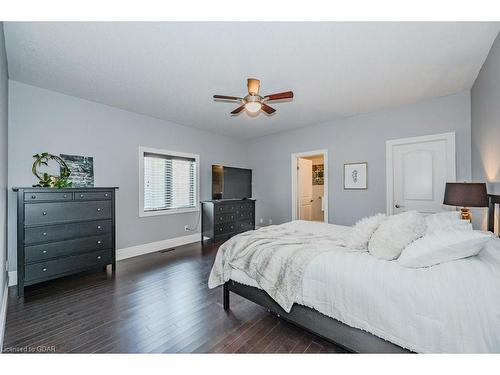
[443, 246]
[395, 233]
[448, 220]
[358, 236]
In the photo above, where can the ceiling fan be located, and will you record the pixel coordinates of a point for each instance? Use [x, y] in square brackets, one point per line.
[254, 102]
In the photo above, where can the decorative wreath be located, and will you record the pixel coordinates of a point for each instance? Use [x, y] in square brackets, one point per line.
[46, 180]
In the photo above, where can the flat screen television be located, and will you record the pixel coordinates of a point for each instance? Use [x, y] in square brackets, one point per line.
[231, 183]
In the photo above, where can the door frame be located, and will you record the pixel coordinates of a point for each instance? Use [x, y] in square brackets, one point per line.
[451, 170]
[294, 158]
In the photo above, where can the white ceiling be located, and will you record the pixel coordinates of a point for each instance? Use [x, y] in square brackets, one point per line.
[171, 70]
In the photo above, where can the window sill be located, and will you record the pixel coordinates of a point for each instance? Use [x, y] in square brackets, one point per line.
[168, 212]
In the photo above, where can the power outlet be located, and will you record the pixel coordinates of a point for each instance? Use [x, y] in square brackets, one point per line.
[261, 220]
[270, 221]
[186, 228]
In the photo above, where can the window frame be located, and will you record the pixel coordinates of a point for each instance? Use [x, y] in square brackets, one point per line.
[143, 150]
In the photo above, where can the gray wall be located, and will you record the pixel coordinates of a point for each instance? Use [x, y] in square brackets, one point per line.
[485, 112]
[3, 162]
[42, 120]
[358, 138]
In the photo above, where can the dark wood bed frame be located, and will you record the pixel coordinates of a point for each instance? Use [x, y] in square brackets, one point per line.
[352, 339]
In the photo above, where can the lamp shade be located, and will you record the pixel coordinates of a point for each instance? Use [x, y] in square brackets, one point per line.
[465, 194]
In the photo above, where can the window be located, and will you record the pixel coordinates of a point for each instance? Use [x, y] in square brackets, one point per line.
[169, 182]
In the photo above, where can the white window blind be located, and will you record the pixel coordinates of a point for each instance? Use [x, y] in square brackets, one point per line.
[169, 182]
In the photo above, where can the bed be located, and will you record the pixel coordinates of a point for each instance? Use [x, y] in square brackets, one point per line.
[367, 305]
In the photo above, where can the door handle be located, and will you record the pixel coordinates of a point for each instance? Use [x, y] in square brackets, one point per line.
[398, 206]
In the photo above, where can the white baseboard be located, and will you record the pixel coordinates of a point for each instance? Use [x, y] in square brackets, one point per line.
[152, 247]
[3, 313]
[12, 278]
[133, 251]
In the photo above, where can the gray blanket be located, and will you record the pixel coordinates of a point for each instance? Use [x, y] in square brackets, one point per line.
[275, 257]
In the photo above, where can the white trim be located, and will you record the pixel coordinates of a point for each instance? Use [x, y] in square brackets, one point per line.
[3, 313]
[450, 159]
[296, 155]
[169, 212]
[133, 251]
[196, 157]
[12, 278]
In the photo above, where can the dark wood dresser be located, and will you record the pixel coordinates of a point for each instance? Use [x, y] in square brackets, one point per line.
[221, 219]
[63, 231]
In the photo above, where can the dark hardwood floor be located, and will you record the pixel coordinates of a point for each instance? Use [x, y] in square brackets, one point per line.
[155, 303]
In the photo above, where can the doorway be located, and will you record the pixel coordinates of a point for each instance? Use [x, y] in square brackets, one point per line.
[310, 186]
[417, 171]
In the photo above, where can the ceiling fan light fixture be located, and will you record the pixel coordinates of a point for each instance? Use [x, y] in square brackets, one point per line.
[253, 107]
[254, 102]
[253, 86]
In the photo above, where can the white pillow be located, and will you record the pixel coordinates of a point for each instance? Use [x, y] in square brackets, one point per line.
[395, 233]
[358, 236]
[443, 246]
[447, 220]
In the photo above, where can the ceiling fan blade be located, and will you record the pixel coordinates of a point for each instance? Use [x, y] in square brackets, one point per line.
[226, 97]
[267, 109]
[238, 110]
[281, 95]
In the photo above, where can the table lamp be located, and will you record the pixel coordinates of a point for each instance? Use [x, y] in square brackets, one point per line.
[465, 195]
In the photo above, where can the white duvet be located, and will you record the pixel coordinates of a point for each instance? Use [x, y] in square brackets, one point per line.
[452, 307]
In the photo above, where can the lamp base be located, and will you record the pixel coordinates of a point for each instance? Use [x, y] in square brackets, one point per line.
[465, 214]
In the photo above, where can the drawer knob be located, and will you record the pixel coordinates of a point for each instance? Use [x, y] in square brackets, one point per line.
[220, 229]
[44, 251]
[98, 210]
[44, 233]
[33, 197]
[99, 242]
[44, 269]
[65, 196]
[106, 194]
[81, 195]
[98, 227]
[98, 257]
[44, 213]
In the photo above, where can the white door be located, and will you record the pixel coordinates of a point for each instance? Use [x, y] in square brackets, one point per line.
[418, 169]
[305, 188]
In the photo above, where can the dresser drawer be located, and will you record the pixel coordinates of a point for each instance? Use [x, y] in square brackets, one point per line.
[245, 206]
[225, 208]
[40, 197]
[61, 232]
[37, 253]
[92, 195]
[45, 213]
[56, 267]
[243, 226]
[225, 228]
[245, 215]
[224, 218]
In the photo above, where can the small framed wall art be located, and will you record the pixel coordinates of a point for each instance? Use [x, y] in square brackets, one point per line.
[82, 169]
[355, 176]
